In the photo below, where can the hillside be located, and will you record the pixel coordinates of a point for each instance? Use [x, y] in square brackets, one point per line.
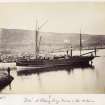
[19, 41]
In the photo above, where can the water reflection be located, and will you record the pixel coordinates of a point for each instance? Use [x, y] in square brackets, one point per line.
[80, 79]
[45, 77]
[60, 68]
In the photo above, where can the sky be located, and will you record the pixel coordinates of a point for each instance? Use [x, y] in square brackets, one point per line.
[64, 17]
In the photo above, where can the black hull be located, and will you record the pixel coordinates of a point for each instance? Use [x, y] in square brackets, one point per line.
[44, 63]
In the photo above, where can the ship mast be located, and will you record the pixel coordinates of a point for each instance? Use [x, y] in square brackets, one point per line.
[80, 42]
[36, 41]
[36, 38]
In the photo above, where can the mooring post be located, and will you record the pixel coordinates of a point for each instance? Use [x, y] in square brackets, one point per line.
[8, 70]
[71, 51]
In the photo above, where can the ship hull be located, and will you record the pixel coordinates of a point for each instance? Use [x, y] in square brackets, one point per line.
[46, 63]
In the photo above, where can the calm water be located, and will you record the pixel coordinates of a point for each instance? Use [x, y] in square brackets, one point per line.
[77, 80]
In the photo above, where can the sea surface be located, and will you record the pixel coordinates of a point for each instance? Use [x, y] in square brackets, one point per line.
[66, 80]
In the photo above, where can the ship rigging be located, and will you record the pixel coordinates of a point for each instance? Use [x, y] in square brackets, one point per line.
[43, 62]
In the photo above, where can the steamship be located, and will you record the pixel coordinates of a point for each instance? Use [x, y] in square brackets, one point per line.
[58, 61]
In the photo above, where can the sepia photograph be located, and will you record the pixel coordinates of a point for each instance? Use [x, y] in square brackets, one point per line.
[52, 47]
